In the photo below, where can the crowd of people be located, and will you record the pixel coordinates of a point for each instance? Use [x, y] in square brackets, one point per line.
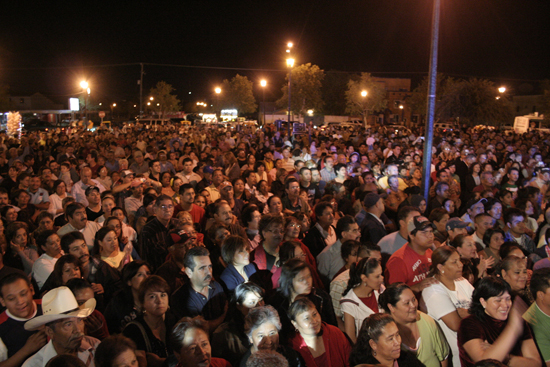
[212, 246]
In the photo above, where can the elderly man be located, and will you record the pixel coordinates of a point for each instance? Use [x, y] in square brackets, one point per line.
[154, 239]
[78, 221]
[63, 321]
[79, 189]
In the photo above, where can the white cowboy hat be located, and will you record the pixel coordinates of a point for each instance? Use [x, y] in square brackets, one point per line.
[60, 303]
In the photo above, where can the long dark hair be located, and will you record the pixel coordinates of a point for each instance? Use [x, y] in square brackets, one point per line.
[391, 296]
[364, 267]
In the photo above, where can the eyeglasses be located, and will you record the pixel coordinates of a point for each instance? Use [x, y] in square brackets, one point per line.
[294, 225]
[167, 207]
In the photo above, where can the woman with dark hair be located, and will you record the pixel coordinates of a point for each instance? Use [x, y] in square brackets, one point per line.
[514, 271]
[9, 214]
[419, 332]
[474, 267]
[296, 280]
[28, 212]
[123, 239]
[274, 206]
[493, 207]
[473, 179]
[66, 268]
[236, 254]
[493, 239]
[166, 180]
[150, 331]
[124, 306]
[447, 301]
[106, 248]
[262, 326]
[318, 343]
[116, 350]
[230, 340]
[271, 230]
[450, 207]
[288, 250]
[305, 222]
[56, 199]
[495, 328]
[379, 343]
[262, 192]
[360, 299]
[20, 254]
[144, 212]
[250, 218]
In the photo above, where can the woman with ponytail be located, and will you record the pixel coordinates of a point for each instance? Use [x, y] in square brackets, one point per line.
[360, 299]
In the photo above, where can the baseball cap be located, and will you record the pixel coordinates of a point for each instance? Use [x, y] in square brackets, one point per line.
[180, 236]
[90, 189]
[207, 169]
[455, 223]
[126, 172]
[371, 199]
[473, 202]
[418, 223]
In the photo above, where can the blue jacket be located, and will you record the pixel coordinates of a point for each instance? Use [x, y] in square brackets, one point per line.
[231, 277]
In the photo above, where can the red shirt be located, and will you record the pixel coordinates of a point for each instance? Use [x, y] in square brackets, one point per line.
[406, 266]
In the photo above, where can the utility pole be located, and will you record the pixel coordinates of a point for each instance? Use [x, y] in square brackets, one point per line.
[428, 137]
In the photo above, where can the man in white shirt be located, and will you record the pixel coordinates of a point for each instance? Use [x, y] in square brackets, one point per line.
[63, 322]
[482, 223]
[78, 221]
[39, 196]
[79, 188]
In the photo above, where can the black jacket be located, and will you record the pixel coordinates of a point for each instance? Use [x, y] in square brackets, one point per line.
[372, 230]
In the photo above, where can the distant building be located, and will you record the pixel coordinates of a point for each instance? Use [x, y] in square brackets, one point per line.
[37, 101]
[398, 92]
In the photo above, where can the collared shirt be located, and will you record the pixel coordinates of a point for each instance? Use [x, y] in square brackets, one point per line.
[39, 197]
[85, 353]
[188, 302]
[214, 192]
[79, 191]
[132, 204]
[88, 232]
[327, 175]
[329, 261]
[42, 268]
[192, 178]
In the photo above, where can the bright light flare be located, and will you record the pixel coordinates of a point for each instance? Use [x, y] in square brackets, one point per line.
[290, 62]
[502, 89]
[84, 84]
[364, 93]
[263, 82]
[218, 90]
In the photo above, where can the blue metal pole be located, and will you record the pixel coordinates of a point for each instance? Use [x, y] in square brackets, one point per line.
[428, 137]
[289, 82]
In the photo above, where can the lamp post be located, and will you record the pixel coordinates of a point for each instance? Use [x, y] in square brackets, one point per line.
[263, 83]
[86, 90]
[402, 108]
[365, 111]
[428, 137]
[218, 90]
[290, 64]
[112, 113]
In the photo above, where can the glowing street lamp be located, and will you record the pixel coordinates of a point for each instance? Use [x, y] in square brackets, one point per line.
[263, 84]
[218, 90]
[364, 93]
[290, 64]
[112, 108]
[502, 89]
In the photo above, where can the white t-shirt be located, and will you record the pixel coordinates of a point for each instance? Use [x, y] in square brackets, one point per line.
[441, 301]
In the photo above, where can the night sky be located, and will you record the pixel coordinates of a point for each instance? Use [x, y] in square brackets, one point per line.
[49, 46]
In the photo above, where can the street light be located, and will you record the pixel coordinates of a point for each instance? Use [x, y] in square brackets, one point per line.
[218, 90]
[112, 107]
[85, 86]
[364, 93]
[263, 83]
[365, 111]
[290, 64]
[402, 108]
[502, 89]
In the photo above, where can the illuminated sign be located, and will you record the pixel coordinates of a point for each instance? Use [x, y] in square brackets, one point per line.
[74, 104]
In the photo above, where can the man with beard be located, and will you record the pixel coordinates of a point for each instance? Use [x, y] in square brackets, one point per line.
[202, 295]
[154, 239]
[105, 280]
[78, 221]
[63, 322]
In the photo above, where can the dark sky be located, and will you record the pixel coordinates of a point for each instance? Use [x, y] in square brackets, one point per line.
[49, 46]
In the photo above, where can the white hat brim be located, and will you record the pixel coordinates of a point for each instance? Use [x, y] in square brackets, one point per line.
[85, 311]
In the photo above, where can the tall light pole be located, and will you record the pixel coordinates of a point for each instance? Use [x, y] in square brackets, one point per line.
[402, 108]
[263, 83]
[428, 137]
[86, 91]
[113, 105]
[365, 111]
[290, 64]
[218, 90]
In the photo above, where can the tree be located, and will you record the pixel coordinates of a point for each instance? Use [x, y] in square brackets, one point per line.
[473, 101]
[237, 93]
[306, 89]
[359, 103]
[163, 99]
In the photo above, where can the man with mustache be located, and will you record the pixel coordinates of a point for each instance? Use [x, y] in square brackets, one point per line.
[105, 280]
[202, 295]
[63, 322]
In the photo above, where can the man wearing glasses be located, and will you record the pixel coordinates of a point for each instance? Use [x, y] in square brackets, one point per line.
[155, 239]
